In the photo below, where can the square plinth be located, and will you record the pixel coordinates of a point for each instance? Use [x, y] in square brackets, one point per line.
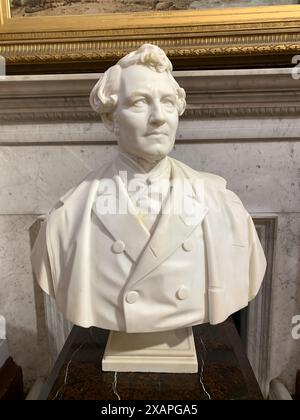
[166, 351]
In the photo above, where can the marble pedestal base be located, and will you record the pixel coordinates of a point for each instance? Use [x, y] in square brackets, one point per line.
[167, 351]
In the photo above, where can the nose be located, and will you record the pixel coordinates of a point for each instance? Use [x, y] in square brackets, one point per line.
[156, 115]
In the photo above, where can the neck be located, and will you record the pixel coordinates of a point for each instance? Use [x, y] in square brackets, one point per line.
[145, 164]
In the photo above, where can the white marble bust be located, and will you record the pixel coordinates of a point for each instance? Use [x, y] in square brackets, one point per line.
[146, 243]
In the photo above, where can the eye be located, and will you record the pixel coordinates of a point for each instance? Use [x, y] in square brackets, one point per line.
[169, 103]
[139, 102]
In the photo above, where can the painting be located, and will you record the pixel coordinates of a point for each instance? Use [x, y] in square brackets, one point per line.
[80, 7]
[69, 36]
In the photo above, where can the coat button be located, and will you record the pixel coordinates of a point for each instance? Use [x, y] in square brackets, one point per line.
[118, 247]
[183, 293]
[132, 297]
[187, 245]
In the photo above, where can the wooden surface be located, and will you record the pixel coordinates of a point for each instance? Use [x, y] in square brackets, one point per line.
[227, 373]
[11, 381]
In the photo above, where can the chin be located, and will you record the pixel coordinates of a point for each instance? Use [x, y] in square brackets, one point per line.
[159, 150]
[155, 155]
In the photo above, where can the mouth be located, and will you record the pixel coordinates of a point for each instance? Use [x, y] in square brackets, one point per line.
[156, 134]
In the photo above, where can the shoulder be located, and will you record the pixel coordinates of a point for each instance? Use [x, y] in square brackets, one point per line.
[215, 187]
[212, 180]
[82, 190]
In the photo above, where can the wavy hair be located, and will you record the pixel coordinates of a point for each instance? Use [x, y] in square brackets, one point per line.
[104, 95]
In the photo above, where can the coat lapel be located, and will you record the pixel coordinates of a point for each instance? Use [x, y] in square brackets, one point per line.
[182, 212]
[116, 212]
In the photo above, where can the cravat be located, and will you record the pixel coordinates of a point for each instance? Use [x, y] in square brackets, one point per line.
[147, 190]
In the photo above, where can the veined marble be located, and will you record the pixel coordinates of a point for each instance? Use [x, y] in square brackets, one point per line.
[256, 172]
[285, 355]
[21, 301]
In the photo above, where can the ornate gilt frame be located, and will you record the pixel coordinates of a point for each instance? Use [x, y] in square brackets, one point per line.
[214, 38]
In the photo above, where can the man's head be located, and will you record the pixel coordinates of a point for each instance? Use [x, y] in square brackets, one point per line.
[140, 101]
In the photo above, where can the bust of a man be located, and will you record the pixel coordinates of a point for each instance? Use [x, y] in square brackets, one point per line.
[146, 243]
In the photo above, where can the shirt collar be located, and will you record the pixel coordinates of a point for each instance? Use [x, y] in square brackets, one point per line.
[127, 167]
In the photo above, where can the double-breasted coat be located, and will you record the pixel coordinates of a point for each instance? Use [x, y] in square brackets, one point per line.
[106, 270]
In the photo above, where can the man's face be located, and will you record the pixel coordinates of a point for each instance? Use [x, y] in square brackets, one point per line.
[146, 113]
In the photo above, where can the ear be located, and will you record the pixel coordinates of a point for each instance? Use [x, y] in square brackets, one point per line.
[108, 121]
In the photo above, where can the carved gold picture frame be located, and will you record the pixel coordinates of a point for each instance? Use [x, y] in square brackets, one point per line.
[203, 39]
